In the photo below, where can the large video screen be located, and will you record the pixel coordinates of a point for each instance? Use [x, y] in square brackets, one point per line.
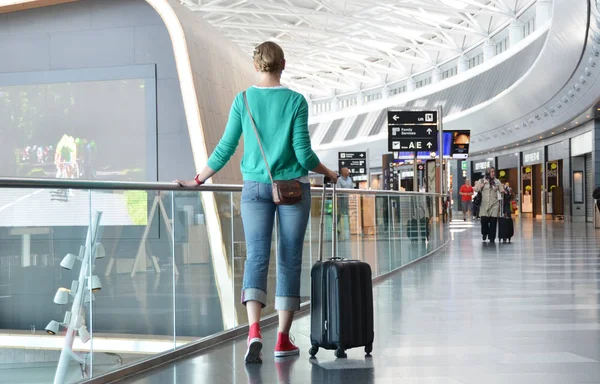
[81, 130]
[96, 124]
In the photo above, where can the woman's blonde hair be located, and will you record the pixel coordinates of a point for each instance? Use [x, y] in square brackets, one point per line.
[269, 57]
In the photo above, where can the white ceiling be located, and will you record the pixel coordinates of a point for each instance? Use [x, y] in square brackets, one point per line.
[342, 46]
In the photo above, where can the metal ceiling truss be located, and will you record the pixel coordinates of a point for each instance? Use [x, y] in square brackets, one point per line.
[339, 46]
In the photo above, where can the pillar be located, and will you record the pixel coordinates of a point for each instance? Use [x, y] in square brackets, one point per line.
[410, 85]
[596, 165]
[515, 32]
[335, 104]
[360, 98]
[489, 50]
[543, 11]
[436, 75]
[462, 64]
[385, 93]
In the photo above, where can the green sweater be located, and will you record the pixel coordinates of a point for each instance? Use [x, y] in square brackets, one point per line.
[281, 117]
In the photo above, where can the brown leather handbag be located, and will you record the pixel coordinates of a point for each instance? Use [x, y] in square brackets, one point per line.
[285, 192]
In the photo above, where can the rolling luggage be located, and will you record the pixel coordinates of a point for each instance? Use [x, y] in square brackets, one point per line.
[506, 227]
[341, 306]
[418, 226]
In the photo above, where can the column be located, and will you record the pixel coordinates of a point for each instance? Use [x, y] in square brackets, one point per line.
[543, 11]
[360, 98]
[489, 50]
[335, 104]
[463, 64]
[596, 165]
[436, 75]
[385, 93]
[410, 85]
[515, 32]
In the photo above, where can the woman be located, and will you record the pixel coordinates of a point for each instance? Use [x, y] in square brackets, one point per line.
[491, 191]
[281, 117]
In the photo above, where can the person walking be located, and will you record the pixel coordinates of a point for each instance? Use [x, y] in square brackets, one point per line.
[273, 119]
[344, 182]
[466, 194]
[491, 191]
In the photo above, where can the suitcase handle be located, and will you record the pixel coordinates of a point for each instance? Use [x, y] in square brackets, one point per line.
[333, 222]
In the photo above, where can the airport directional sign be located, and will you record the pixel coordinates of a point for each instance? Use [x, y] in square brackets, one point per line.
[356, 162]
[412, 131]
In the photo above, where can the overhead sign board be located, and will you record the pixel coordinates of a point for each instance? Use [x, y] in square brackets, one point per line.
[412, 131]
[533, 157]
[482, 166]
[356, 162]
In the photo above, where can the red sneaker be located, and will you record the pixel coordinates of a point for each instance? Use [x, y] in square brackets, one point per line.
[285, 346]
[255, 344]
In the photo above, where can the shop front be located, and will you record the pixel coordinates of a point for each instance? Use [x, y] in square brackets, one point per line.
[582, 177]
[532, 190]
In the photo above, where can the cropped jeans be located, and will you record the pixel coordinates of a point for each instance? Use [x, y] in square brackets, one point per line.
[258, 215]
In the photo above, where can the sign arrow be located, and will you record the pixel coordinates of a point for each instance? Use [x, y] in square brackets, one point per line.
[429, 131]
[362, 155]
[395, 117]
[429, 145]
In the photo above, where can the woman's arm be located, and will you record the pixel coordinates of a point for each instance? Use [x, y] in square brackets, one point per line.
[224, 150]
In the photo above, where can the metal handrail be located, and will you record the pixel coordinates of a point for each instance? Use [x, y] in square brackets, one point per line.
[6, 182]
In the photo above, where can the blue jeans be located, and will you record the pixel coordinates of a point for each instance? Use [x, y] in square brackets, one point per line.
[258, 213]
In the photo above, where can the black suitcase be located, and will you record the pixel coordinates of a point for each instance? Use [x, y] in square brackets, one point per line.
[418, 226]
[506, 227]
[341, 303]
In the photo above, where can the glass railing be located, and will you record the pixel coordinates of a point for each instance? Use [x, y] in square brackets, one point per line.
[97, 275]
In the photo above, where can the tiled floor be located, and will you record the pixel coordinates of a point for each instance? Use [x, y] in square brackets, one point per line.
[526, 312]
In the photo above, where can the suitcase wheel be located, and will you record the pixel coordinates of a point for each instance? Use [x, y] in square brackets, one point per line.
[313, 350]
[340, 353]
[369, 349]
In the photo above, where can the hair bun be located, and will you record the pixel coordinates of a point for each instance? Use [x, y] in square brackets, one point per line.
[269, 57]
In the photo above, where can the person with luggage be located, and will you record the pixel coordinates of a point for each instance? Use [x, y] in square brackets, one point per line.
[276, 160]
[491, 191]
[466, 194]
[345, 182]
[508, 196]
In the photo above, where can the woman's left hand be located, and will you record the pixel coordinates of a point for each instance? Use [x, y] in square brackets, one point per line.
[187, 183]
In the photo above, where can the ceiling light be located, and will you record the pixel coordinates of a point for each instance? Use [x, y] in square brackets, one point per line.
[577, 122]
[52, 327]
[541, 137]
[94, 283]
[84, 335]
[68, 261]
[588, 116]
[529, 141]
[62, 296]
[99, 251]
[553, 133]
[565, 128]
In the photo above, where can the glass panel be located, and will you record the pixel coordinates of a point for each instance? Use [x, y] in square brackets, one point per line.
[204, 287]
[37, 294]
[170, 266]
[133, 313]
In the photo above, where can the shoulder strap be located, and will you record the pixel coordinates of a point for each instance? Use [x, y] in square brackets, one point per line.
[262, 151]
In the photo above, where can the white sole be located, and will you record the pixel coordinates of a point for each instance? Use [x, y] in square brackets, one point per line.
[287, 353]
[253, 355]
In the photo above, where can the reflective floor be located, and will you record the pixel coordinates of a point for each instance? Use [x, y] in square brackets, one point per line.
[475, 313]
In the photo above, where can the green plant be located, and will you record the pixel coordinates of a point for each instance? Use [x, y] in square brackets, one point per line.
[137, 206]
